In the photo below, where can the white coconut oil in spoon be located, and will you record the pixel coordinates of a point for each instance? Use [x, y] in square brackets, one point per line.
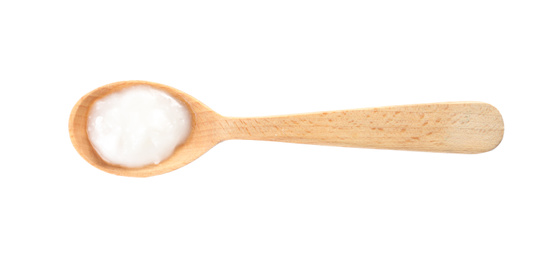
[137, 126]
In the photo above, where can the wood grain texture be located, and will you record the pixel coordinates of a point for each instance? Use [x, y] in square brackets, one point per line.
[459, 127]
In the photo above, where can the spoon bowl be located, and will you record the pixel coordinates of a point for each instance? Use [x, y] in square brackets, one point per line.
[451, 127]
[202, 137]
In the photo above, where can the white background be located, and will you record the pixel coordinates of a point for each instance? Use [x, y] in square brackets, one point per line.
[264, 200]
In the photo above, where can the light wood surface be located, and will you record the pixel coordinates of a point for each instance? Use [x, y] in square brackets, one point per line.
[456, 127]
[459, 127]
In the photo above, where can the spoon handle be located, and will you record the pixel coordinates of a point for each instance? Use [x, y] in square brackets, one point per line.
[457, 127]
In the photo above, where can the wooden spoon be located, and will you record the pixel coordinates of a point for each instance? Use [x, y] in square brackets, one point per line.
[456, 127]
